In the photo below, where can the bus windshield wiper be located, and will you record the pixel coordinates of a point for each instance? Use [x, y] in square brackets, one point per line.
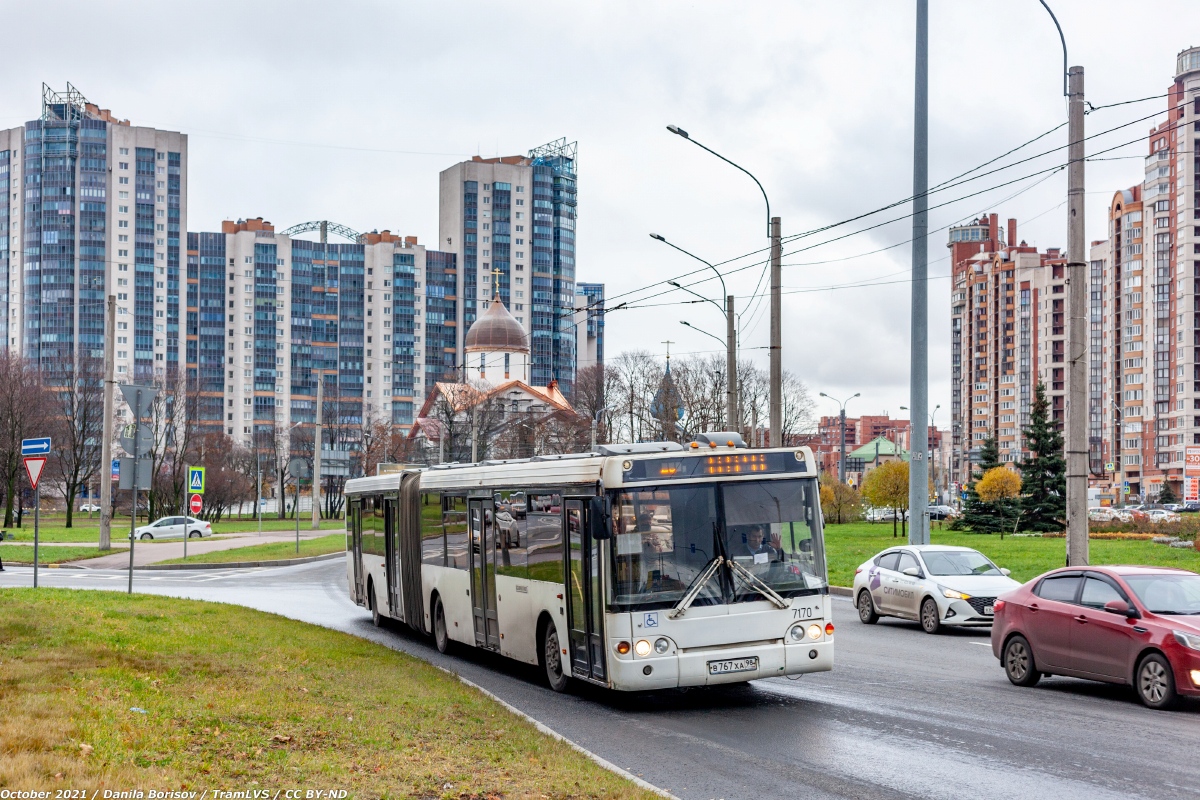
[698, 583]
[752, 579]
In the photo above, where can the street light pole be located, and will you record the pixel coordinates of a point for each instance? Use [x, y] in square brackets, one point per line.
[730, 336]
[1076, 445]
[773, 234]
[106, 488]
[842, 431]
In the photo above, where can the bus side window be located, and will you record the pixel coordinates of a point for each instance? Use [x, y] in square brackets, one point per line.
[454, 522]
[433, 538]
[512, 534]
[545, 537]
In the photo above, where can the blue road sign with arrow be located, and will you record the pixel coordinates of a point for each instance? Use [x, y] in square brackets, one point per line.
[36, 447]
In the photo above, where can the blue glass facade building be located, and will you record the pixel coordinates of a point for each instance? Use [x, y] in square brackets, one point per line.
[99, 209]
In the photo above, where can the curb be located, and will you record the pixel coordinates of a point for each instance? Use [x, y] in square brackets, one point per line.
[841, 591]
[283, 562]
[543, 728]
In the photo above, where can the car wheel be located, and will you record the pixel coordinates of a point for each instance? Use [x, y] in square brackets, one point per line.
[866, 609]
[376, 618]
[441, 636]
[931, 619]
[1018, 662]
[145, 536]
[1155, 682]
[552, 659]
[195, 535]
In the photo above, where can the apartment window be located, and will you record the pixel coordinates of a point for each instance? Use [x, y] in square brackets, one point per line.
[123, 180]
[123, 209]
[124, 151]
[520, 201]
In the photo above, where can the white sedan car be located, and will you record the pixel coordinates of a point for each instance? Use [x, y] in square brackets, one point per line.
[934, 584]
[173, 528]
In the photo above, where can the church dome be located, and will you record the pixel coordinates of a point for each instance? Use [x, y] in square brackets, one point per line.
[496, 330]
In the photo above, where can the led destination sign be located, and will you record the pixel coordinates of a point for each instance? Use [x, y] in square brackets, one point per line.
[712, 465]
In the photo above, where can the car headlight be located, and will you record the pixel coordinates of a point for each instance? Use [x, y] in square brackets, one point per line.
[642, 648]
[1188, 640]
[661, 646]
[953, 595]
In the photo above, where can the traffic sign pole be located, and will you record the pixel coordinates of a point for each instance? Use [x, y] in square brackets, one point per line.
[34, 464]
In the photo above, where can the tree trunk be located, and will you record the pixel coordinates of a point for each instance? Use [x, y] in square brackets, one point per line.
[893, 523]
[71, 489]
[8, 503]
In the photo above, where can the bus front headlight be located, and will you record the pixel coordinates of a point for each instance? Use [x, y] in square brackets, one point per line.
[796, 633]
[661, 646]
[814, 631]
[642, 648]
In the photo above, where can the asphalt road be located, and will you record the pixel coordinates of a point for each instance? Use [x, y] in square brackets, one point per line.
[903, 714]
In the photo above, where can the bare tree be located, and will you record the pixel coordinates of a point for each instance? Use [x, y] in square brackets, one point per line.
[226, 483]
[799, 418]
[78, 425]
[24, 413]
[174, 426]
[636, 378]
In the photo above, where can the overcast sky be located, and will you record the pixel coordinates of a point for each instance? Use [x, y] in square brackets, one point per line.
[347, 111]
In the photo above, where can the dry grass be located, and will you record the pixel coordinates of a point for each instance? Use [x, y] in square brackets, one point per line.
[235, 698]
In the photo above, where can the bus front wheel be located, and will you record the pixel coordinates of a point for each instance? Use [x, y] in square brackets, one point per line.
[552, 659]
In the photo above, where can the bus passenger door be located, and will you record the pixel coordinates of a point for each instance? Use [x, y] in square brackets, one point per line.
[584, 595]
[392, 561]
[355, 529]
[483, 572]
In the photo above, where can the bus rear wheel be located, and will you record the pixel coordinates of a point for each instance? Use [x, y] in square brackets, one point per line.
[441, 637]
[552, 660]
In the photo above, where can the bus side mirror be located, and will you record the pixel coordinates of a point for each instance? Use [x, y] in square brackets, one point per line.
[598, 514]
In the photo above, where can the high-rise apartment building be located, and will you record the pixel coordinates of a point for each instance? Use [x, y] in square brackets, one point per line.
[1008, 333]
[589, 324]
[93, 206]
[1148, 411]
[268, 315]
[511, 220]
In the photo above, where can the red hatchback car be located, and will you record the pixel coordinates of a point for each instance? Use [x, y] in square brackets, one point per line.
[1132, 625]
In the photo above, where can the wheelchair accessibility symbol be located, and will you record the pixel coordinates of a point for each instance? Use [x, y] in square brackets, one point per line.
[650, 620]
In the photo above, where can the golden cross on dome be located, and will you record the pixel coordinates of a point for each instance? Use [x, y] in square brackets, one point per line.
[496, 273]
[668, 343]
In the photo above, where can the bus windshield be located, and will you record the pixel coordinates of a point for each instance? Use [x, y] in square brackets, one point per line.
[664, 537]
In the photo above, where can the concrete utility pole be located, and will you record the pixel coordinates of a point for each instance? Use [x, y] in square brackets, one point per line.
[106, 489]
[776, 336]
[318, 440]
[1077, 322]
[918, 471]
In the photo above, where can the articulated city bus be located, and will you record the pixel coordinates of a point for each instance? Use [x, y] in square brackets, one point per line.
[636, 567]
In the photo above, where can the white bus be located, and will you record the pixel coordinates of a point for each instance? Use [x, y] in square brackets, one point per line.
[637, 567]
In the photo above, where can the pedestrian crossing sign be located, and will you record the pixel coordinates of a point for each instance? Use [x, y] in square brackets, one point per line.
[196, 480]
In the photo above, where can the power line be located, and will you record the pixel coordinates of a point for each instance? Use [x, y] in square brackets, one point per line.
[939, 187]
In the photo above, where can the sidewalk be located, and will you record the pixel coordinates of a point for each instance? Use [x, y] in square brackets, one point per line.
[165, 550]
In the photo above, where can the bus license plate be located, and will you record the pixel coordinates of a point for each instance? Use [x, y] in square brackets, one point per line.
[733, 665]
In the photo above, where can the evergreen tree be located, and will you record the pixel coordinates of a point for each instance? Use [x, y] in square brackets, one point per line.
[1167, 495]
[1044, 474]
[980, 516]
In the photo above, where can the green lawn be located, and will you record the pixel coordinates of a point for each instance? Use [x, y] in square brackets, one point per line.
[103, 689]
[51, 528]
[23, 554]
[847, 546]
[274, 551]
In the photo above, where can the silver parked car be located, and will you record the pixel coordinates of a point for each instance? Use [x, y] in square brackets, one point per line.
[173, 528]
[934, 584]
